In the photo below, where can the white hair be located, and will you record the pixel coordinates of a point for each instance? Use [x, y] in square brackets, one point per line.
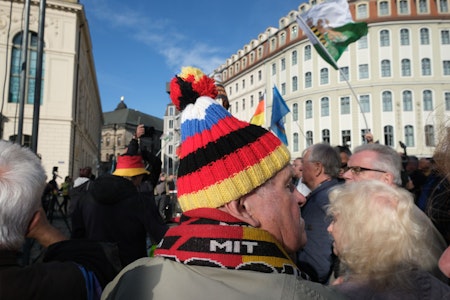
[22, 181]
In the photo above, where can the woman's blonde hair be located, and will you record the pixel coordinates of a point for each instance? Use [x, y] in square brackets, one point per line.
[382, 232]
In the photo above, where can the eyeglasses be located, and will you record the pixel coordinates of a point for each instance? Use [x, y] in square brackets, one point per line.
[357, 170]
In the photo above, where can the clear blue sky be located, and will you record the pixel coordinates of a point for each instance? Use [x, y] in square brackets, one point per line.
[140, 45]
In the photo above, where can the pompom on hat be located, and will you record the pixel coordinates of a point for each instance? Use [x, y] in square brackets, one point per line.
[221, 157]
[129, 166]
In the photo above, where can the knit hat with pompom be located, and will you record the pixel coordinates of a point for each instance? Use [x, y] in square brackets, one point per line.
[221, 157]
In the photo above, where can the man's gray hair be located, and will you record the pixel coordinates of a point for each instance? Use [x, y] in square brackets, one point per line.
[388, 159]
[327, 156]
[22, 182]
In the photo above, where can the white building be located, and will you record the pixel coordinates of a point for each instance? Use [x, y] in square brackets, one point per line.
[399, 72]
[70, 112]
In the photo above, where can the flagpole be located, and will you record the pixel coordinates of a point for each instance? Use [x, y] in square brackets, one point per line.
[331, 58]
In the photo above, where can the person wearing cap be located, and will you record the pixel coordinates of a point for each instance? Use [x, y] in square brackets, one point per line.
[241, 219]
[115, 211]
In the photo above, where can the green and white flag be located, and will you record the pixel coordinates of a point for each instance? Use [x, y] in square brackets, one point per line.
[330, 28]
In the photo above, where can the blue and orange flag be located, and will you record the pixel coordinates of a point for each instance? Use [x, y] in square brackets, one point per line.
[279, 110]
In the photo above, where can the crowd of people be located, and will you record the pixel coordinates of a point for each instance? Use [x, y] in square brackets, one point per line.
[255, 223]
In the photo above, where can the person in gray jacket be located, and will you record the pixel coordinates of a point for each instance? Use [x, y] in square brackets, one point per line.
[241, 221]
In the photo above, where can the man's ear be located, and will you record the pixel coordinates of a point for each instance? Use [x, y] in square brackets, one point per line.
[241, 209]
[35, 220]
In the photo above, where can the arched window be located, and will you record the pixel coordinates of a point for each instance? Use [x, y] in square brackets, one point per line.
[429, 135]
[404, 37]
[308, 80]
[295, 142]
[309, 138]
[307, 52]
[294, 58]
[387, 101]
[14, 76]
[295, 112]
[409, 136]
[384, 38]
[324, 76]
[424, 36]
[294, 83]
[426, 67]
[427, 96]
[406, 67]
[389, 135]
[308, 109]
[324, 107]
[407, 101]
[385, 68]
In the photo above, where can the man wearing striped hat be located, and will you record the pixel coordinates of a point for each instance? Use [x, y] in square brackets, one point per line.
[241, 220]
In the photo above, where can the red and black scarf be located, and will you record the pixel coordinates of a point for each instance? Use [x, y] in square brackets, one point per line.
[210, 237]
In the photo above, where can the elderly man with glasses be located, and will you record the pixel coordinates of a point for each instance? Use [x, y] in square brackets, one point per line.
[374, 161]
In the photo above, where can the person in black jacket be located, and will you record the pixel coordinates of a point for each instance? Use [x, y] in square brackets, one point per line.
[114, 210]
[70, 269]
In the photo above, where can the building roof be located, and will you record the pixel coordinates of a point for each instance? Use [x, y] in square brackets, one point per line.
[124, 115]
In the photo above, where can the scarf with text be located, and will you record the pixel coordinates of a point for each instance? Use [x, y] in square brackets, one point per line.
[220, 240]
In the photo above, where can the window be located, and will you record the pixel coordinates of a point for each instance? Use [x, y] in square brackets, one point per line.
[426, 67]
[259, 75]
[384, 38]
[236, 87]
[295, 142]
[26, 140]
[14, 80]
[364, 101]
[406, 67]
[345, 105]
[252, 57]
[273, 44]
[389, 135]
[362, 11]
[307, 52]
[230, 91]
[326, 136]
[445, 37]
[171, 110]
[294, 58]
[362, 42]
[427, 97]
[409, 136]
[282, 38]
[252, 101]
[443, 6]
[404, 8]
[170, 124]
[294, 83]
[385, 68]
[404, 37]
[309, 138]
[243, 104]
[308, 80]
[283, 89]
[308, 109]
[294, 32]
[423, 6]
[343, 74]
[251, 79]
[387, 101]
[324, 76]
[407, 101]
[363, 135]
[237, 106]
[283, 64]
[260, 52]
[108, 141]
[295, 112]
[243, 83]
[429, 135]
[363, 71]
[384, 8]
[346, 137]
[274, 69]
[424, 36]
[447, 100]
[446, 67]
[324, 107]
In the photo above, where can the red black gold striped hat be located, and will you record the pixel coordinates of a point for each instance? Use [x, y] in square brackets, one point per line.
[221, 157]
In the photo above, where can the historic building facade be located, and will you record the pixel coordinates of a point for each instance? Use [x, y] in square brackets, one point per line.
[398, 83]
[71, 118]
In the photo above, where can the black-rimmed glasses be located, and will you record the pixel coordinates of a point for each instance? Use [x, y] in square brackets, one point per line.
[357, 170]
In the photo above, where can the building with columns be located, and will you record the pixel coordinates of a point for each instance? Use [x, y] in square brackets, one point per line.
[70, 118]
[398, 78]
